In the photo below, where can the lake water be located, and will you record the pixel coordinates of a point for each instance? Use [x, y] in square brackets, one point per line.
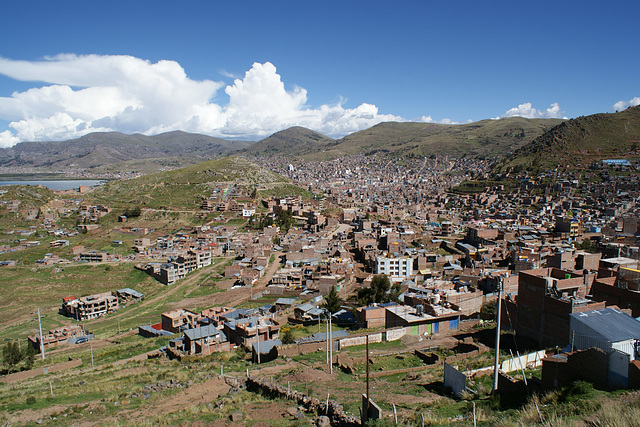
[69, 184]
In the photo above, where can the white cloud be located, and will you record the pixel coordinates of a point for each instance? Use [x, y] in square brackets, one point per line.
[623, 105]
[7, 139]
[445, 121]
[526, 110]
[90, 93]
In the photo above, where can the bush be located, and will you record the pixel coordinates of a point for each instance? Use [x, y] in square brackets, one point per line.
[287, 337]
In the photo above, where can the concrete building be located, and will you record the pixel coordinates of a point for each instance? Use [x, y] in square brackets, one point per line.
[395, 268]
[90, 307]
[178, 320]
[546, 298]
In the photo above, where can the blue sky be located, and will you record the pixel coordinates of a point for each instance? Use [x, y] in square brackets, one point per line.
[247, 69]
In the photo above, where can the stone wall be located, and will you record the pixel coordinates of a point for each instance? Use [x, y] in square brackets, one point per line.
[333, 410]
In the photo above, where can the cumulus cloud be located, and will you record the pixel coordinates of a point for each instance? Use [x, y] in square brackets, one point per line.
[445, 121]
[623, 105]
[89, 93]
[7, 139]
[526, 110]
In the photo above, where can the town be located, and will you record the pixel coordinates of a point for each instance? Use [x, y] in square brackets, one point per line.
[391, 253]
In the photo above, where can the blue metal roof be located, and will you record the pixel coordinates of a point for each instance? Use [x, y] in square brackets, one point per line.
[609, 323]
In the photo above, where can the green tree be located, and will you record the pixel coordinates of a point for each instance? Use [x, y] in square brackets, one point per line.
[11, 355]
[287, 337]
[586, 245]
[380, 291]
[29, 357]
[332, 301]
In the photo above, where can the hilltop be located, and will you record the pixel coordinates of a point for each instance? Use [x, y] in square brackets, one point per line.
[485, 138]
[296, 141]
[579, 142]
[108, 148]
[185, 187]
[114, 152]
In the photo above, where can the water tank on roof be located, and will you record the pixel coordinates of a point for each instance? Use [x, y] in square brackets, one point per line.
[436, 298]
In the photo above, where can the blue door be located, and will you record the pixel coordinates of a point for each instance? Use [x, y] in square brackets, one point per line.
[453, 324]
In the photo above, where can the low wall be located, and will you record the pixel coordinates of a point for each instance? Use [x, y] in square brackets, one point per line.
[429, 358]
[333, 410]
[396, 334]
[298, 349]
[526, 361]
[376, 374]
[359, 340]
[19, 376]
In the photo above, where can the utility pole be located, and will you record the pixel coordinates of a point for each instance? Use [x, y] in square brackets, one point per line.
[327, 342]
[496, 366]
[41, 339]
[330, 347]
[365, 418]
[258, 344]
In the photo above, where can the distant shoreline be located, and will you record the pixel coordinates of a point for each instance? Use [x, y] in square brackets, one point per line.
[42, 177]
[52, 184]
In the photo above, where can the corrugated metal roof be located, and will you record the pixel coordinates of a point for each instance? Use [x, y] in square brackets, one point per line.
[204, 331]
[265, 346]
[610, 323]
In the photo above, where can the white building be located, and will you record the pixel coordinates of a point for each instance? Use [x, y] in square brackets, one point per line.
[395, 268]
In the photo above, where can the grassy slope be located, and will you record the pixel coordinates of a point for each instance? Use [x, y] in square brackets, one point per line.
[183, 188]
[484, 138]
[580, 141]
[293, 141]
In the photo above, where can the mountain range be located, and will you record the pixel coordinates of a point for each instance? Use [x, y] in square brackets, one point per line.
[107, 148]
[511, 141]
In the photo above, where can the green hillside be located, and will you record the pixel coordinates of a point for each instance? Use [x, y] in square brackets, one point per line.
[579, 142]
[184, 188]
[109, 148]
[484, 138]
[295, 141]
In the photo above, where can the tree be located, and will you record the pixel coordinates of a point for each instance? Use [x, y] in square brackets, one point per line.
[332, 301]
[11, 355]
[287, 337]
[29, 357]
[380, 291]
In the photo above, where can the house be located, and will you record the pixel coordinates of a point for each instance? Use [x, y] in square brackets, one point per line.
[93, 256]
[608, 329]
[307, 313]
[284, 303]
[424, 319]
[546, 298]
[396, 268]
[246, 331]
[178, 320]
[372, 316]
[89, 307]
[205, 340]
[57, 337]
[265, 351]
[622, 291]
